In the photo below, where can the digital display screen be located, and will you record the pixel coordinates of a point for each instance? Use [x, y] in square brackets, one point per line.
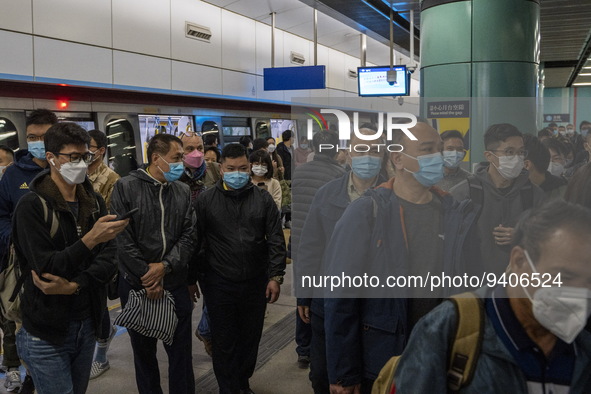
[373, 81]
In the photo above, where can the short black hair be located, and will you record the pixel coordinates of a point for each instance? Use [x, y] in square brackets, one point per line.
[234, 151]
[99, 137]
[65, 133]
[7, 149]
[260, 143]
[245, 140]
[260, 156]
[555, 145]
[578, 190]
[286, 135]
[210, 139]
[537, 152]
[552, 124]
[498, 133]
[584, 123]
[448, 134]
[545, 132]
[41, 116]
[160, 144]
[325, 138]
[536, 226]
[214, 149]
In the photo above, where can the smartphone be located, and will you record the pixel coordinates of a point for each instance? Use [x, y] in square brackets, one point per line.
[126, 215]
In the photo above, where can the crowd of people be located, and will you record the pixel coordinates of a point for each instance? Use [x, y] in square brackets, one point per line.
[196, 220]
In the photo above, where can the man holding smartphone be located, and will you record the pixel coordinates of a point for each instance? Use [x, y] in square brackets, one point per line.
[154, 254]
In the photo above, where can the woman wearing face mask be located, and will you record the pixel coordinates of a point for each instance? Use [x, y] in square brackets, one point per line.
[302, 152]
[261, 164]
[275, 158]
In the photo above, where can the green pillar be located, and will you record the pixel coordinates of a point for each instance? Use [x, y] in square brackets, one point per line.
[484, 51]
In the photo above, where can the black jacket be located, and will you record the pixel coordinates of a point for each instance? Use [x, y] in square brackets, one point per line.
[307, 179]
[241, 233]
[285, 153]
[162, 230]
[65, 255]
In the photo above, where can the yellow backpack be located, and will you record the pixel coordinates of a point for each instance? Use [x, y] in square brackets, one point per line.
[464, 352]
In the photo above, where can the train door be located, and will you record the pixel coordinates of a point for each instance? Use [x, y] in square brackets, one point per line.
[209, 126]
[123, 149]
[12, 129]
[235, 128]
[261, 127]
[82, 119]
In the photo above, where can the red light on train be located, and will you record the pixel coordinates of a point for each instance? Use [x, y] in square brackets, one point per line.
[62, 104]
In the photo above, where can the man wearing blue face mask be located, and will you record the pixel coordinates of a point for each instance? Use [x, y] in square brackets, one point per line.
[154, 252]
[403, 227]
[532, 337]
[502, 191]
[14, 185]
[239, 230]
[453, 155]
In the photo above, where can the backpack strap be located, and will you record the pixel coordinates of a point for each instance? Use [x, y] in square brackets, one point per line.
[54, 220]
[468, 341]
[476, 194]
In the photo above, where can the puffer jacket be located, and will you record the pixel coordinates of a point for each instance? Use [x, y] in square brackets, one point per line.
[162, 230]
[423, 366]
[306, 181]
[64, 255]
[240, 231]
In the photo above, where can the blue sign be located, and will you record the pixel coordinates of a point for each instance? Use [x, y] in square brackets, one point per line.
[295, 78]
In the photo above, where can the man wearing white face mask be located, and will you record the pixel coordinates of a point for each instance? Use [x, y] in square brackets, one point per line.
[502, 190]
[453, 155]
[62, 236]
[533, 339]
[538, 159]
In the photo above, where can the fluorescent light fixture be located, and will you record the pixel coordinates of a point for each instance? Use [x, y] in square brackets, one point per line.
[582, 84]
[584, 74]
[587, 68]
[7, 135]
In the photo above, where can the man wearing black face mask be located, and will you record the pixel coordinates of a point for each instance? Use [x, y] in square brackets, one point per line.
[502, 191]
[62, 237]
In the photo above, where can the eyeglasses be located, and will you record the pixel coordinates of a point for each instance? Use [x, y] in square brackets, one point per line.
[75, 158]
[511, 152]
[34, 138]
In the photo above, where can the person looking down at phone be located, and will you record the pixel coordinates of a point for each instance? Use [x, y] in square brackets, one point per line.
[239, 231]
[63, 239]
[154, 253]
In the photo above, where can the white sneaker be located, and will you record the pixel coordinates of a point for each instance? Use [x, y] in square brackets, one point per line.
[13, 380]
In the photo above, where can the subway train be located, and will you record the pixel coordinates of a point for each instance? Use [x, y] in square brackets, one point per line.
[131, 118]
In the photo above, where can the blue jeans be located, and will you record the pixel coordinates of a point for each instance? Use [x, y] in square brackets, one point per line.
[62, 369]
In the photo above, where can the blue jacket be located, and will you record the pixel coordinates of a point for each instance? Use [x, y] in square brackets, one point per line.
[14, 185]
[362, 332]
[423, 366]
[326, 209]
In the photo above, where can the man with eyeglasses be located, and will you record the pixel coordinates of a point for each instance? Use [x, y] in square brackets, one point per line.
[453, 155]
[502, 191]
[14, 185]
[62, 237]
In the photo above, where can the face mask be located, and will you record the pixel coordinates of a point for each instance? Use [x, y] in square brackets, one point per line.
[584, 133]
[304, 146]
[562, 132]
[452, 158]
[194, 159]
[271, 148]
[259, 170]
[430, 169]
[236, 179]
[175, 170]
[37, 149]
[556, 169]
[73, 173]
[509, 167]
[561, 310]
[570, 131]
[366, 167]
